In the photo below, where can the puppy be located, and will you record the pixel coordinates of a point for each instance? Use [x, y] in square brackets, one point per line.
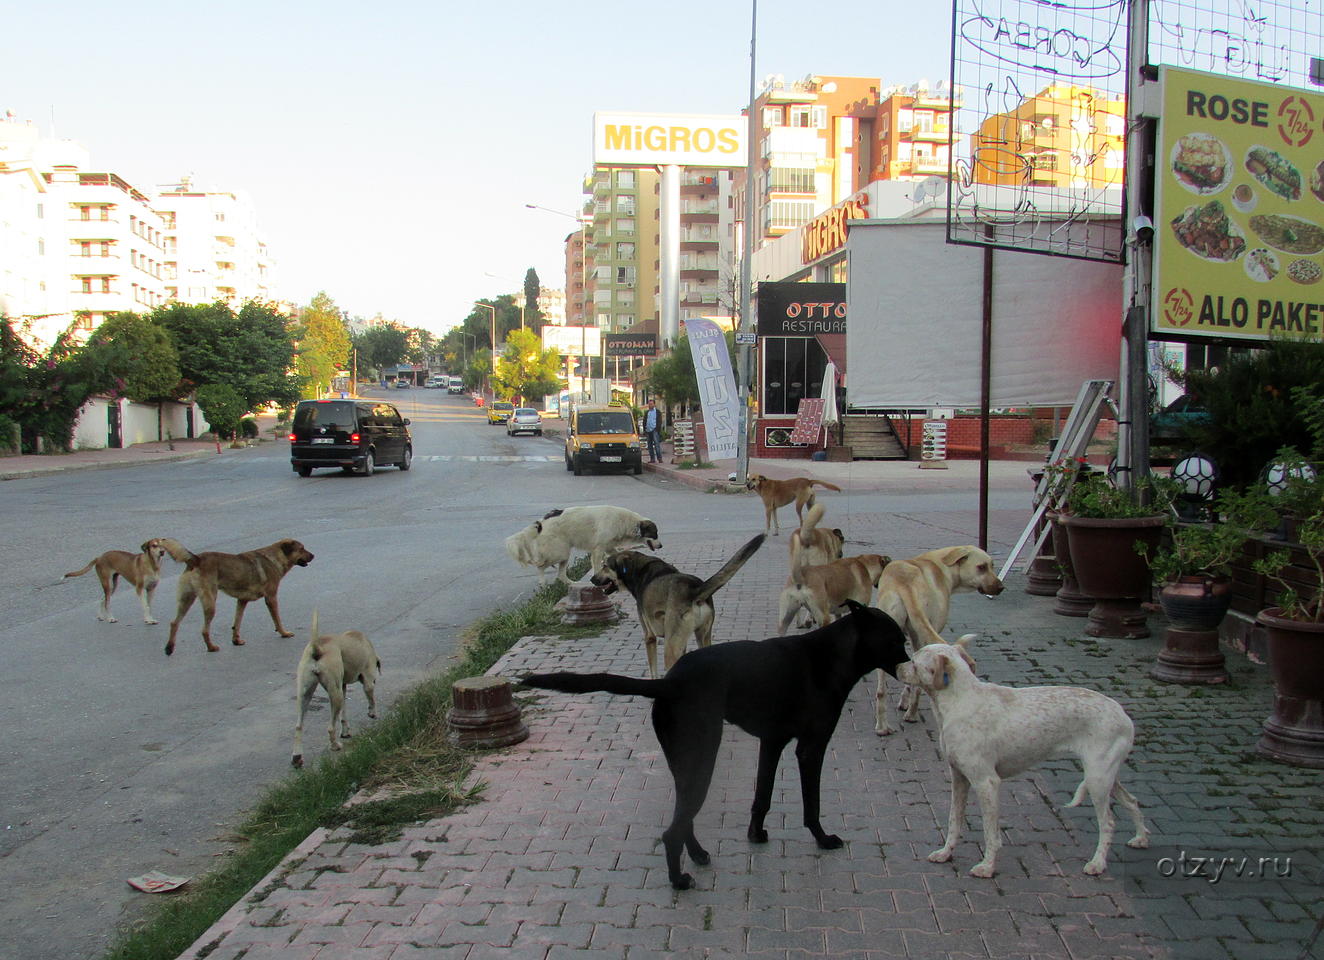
[782, 689]
[143, 570]
[778, 493]
[598, 530]
[917, 594]
[820, 544]
[247, 576]
[333, 662]
[671, 604]
[823, 589]
[990, 732]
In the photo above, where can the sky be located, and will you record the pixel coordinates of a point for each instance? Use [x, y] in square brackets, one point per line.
[390, 147]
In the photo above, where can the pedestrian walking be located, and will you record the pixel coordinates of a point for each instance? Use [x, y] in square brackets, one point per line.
[653, 431]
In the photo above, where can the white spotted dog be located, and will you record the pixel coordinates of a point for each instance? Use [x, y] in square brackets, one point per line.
[989, 732]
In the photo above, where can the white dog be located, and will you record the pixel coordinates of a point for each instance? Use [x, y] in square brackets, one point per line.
[598, 530]
[334, 662]
[917, 594]
[990, 732]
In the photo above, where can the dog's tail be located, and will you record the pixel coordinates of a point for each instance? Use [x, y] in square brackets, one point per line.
[595, 683]
[719, 579]
[813, 516]
[825, 484]
[79, 573]
[179, 552]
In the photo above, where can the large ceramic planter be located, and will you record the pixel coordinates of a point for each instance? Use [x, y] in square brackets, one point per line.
[1294, 732]
[1044, 577]
[1194, 606]
[1071, 601]
[1108, 568]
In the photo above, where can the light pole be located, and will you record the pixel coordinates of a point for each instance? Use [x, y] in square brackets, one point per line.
[492, 310]
[583, 284]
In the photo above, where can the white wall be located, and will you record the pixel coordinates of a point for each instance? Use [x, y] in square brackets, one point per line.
[138, 423]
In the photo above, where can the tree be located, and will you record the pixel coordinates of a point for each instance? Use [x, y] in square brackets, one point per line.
[129, 354]
[526, 369]
[39, 393]
[323, 344]
[533, 318]
[251, 351]
[223, 407]
[381, 346]
[673, 378]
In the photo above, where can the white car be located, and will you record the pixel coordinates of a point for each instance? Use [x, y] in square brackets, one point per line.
[524, 420]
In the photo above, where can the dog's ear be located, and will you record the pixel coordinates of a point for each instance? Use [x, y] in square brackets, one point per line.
[942, 672]
[147, 547]
[537, 525]
[954, 555]
[963, 648]
[855, 606]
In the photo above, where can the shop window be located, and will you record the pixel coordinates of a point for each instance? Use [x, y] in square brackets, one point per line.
[792, 370]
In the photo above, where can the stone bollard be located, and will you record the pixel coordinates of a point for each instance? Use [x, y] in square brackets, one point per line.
[585, 603]
[483, 714]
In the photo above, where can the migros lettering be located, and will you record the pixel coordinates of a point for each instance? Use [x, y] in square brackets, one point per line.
[677, 139]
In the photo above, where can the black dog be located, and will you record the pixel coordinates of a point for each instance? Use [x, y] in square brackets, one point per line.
[777, 690]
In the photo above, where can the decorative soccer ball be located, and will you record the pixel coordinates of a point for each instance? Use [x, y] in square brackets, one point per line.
[1197, 475]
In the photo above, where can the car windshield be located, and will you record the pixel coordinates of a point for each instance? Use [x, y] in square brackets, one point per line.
[502, 405]
[616, 422]
[333, 415]
[526, 412]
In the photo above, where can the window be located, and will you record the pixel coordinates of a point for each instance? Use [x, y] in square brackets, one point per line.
[818, 117]
[792, 370]
[788, 214]
[772, 117]
[41, 247]
[625, 179]
[625, 226]
[625, 204]
[41, 211]
[625, 251]
[800, 115]
[791, 179]
[625, 275]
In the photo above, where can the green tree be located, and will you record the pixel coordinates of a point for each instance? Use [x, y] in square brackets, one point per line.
[251, 351]
[381, 346]
[223, 407]
[130, 355]
[525, 369]
[673, 378]
[533, 318]
[323, 344]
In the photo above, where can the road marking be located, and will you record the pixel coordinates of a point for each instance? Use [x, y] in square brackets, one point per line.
[493, 459]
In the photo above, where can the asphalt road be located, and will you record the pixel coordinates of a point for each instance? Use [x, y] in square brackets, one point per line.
[118, 760]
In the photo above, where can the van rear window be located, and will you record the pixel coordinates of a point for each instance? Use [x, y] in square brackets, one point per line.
[620, 422]
[335, 415]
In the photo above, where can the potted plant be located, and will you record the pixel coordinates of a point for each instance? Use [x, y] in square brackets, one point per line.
[1058, 478]
[1294, 630]
[1192, 567]
[1104, 526]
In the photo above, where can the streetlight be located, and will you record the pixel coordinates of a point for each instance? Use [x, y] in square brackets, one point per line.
[491, 309]
[583, 283]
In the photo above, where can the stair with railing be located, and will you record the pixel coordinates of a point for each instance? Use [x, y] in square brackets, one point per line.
[870, 437]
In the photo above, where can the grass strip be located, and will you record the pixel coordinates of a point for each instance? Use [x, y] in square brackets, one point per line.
[405, 753]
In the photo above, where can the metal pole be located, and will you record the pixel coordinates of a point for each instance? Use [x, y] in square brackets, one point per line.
[746, 351]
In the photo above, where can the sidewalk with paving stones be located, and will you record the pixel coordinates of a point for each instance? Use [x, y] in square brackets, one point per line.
[561, 857]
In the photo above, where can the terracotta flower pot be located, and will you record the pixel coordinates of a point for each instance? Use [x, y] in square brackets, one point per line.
[1103, 554]
[1195, 606]
[1294, 732]
[1070, 600]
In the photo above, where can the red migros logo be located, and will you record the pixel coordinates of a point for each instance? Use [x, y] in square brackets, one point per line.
[1178, 307]
[1296, 121]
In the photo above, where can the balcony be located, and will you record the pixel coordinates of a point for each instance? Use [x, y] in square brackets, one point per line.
[698, 299]
[699, 217]
[929, 166]
[698, 273]
[698, 246]
[929, 136]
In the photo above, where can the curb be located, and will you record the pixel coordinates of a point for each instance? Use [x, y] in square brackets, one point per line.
[110, 465]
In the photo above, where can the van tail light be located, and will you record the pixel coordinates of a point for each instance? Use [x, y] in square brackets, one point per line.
[291, 438]
[353, 438]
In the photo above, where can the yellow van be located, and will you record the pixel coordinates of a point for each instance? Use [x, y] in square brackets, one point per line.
[602, 437]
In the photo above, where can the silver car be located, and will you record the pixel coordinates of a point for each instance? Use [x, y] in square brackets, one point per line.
[524, 420]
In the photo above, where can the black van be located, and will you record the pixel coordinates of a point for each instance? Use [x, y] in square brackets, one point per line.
[355, 435]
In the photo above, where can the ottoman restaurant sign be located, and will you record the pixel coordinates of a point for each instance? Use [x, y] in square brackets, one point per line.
[801, 309]
[629, 344]
[1239, 227]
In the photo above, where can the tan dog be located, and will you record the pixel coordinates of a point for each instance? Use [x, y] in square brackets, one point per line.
[824, 588]
[143, 570]
[778, 493]
[252, 575]
[917, 594]
[819, 544]
[333, 662]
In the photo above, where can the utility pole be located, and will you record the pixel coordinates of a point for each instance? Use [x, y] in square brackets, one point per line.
[745, 352]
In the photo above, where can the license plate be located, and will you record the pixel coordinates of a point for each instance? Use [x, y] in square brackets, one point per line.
[324, 439]
[611, 459]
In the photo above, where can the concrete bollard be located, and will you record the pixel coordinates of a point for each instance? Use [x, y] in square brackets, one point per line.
[585, 603]
[483, 714]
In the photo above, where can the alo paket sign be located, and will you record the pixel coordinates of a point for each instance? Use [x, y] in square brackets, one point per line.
[629, 344]
[661, 139]
[1239, 222]
[787, 309]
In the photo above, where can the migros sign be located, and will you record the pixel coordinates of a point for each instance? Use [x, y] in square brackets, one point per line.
[622, 139]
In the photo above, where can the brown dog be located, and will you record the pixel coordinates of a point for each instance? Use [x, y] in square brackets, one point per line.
[253, 575]
[778, 493]
[917, 594]
[334, 661]
[143, 570]
[819, 544]
[824, 588]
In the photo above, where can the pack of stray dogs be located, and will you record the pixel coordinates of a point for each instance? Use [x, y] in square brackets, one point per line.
[331, 661]
[864, 613]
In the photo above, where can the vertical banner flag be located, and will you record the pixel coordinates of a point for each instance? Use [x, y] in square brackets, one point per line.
[717, 386]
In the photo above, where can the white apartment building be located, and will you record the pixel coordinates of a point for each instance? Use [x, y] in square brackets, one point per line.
[76, 244]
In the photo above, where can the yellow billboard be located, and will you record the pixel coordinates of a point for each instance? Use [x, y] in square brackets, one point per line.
[1239, 200]
[655, 139]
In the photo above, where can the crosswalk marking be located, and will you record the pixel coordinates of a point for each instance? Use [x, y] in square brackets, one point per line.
[442, 458]
[494, 459]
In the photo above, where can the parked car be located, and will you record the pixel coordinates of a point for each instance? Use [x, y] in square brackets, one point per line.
[499, 411]
[602, 437]
[456, 385]
[432, 383]
[355, 435]
[524, 420]
[402, 384]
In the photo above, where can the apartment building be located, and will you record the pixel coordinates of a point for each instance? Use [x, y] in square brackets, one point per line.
[907, 137]
[214, 248]
[622, 245]
[1064, 136]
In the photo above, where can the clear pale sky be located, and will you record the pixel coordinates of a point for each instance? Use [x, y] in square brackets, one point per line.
[390, 147]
